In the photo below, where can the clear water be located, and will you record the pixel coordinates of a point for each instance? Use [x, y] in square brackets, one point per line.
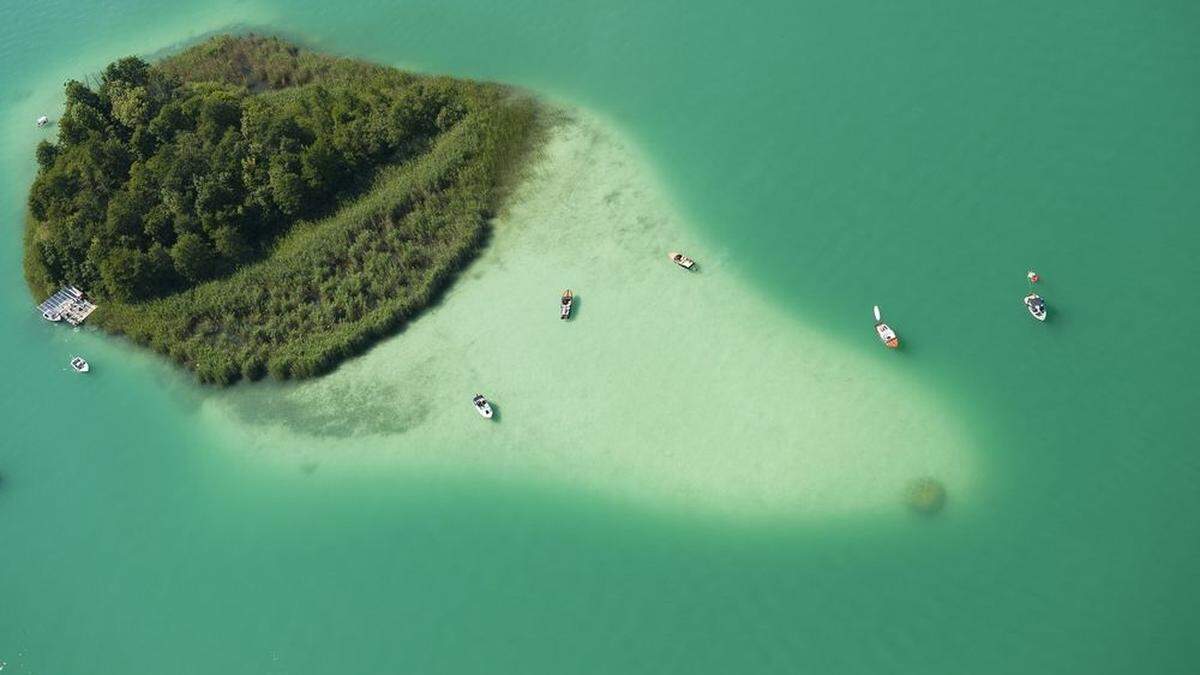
[697, 474]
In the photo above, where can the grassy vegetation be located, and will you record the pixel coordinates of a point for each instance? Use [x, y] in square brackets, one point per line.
[336, 231]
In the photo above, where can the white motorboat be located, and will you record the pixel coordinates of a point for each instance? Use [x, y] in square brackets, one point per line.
[42, 121]
[482, 406]
[51, 315]
[567, 299]
[1036, 306]
[886, 335]
[681, 260]
[80, 365]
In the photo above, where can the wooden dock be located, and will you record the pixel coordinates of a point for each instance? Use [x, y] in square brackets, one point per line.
[68, 303]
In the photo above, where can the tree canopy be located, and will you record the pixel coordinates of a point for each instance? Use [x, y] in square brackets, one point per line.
[210, 172]
[214, 202]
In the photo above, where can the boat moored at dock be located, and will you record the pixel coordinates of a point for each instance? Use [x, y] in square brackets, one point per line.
[68, 303]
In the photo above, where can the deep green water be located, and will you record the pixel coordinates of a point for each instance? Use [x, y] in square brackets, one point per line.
[918, 155]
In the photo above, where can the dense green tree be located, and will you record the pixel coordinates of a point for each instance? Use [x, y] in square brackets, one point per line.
[130, 71]
[287, 187]
[47, 152]
[171, 119]
[131, 106]
[122, 271]
[193, 257]
[78, 93]
[81, 122]
[125, 212]
[231, 244]
[323, 168]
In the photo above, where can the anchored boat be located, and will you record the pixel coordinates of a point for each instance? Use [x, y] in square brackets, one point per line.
[886, 335]
[482, 406]
[1036, 306]
[41, 121]
[80, 365]
[681, 260]
[565, 311]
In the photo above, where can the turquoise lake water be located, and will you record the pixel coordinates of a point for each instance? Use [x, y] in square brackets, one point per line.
[717, 488]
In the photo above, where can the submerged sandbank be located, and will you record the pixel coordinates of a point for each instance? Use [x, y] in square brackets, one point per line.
[666, 388]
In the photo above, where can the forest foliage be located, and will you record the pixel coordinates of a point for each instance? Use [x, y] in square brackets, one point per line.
[248, 207]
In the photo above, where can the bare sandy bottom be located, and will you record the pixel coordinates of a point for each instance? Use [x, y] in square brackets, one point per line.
[668, 388]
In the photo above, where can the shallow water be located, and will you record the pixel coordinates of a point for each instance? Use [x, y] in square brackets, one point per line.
[678, 390]
[697, 473]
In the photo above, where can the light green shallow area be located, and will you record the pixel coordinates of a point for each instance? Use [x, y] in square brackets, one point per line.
[675, 389]
[699, 472]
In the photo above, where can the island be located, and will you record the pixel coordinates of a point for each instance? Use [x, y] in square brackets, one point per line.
[248, 207]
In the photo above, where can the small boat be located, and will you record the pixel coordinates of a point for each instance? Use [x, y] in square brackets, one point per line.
[1036, 306]
[482, 406]
[886, 335]
[565, 312]
[51, 315]
[42, 121]
[80, 365]
[681, 260]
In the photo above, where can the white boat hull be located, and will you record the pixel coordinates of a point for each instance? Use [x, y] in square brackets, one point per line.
[887, 336]
[681, 260]
[1036, 312]
[482, 406]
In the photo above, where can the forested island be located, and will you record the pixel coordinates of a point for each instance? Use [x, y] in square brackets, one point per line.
[249, 207]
